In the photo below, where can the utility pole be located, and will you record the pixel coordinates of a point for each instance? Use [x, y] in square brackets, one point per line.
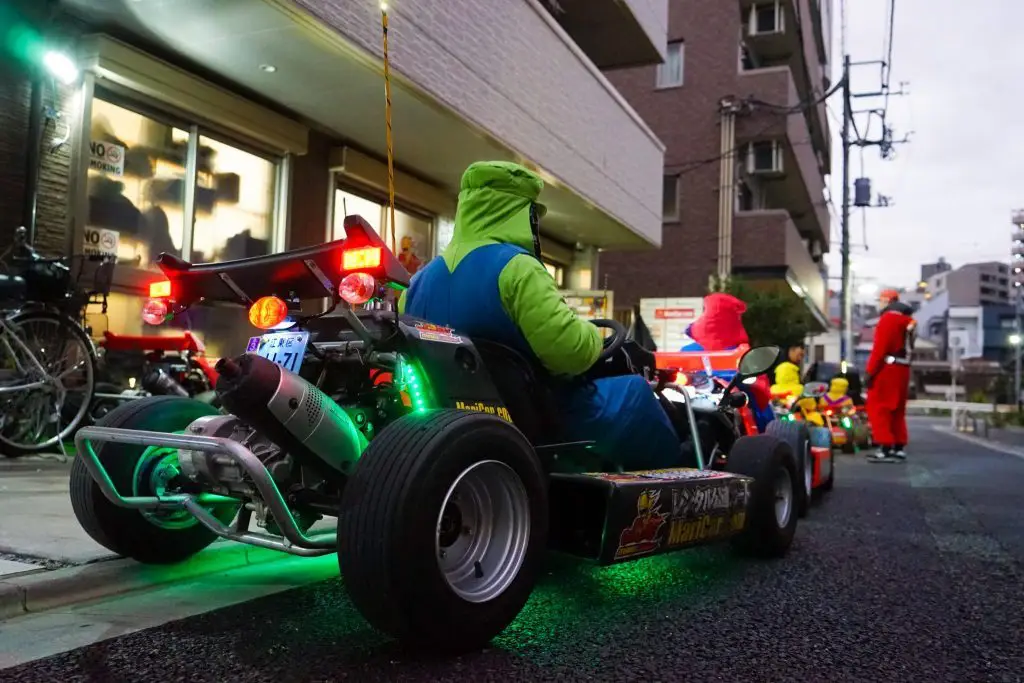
[885, 143]
[846, 293]
[1017, 341]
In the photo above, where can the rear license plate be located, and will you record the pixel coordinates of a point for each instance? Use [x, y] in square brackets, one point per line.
[286, 349]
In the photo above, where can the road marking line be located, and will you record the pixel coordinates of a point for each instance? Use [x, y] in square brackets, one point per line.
[984, 443]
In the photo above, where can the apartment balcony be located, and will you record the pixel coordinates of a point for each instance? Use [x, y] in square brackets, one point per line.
[767, 249]
[776, 152]
[790, 33]
[615, 33]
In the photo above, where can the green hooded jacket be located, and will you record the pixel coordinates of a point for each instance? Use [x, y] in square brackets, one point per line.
[494, 208]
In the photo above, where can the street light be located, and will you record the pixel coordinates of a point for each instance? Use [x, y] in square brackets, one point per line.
[60, 67]
[1015, 339]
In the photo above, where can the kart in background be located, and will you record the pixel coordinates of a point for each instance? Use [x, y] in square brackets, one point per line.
[134, 367]
[438, 455]
[704, 374]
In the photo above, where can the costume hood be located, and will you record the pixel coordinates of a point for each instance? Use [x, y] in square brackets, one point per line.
[494, 208]
[720, 326]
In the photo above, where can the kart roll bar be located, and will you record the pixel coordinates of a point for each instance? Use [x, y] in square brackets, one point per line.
[295, 542]
[690, 418]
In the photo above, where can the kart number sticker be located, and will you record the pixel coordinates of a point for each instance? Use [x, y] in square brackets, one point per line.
[437, 333]
[286, 349]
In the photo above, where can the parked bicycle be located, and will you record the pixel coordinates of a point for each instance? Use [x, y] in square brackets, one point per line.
[47, 359]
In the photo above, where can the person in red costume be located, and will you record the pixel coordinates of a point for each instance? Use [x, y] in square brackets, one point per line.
[720, 328]
[888, 378]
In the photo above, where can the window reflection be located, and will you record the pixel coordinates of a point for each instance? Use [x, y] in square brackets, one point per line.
[234, 203]
[412, 232]
[136, 182]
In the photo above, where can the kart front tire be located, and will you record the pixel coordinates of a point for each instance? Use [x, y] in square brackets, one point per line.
[133, 533]
[391, 547]
[798, 436]
[770, 462]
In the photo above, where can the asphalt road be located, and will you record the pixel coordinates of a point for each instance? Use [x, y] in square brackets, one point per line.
[906, 573]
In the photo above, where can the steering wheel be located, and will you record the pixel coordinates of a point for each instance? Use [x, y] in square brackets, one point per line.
[615, 341]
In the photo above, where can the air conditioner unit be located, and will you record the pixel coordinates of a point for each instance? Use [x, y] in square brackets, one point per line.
[766, 18]
[764, 158]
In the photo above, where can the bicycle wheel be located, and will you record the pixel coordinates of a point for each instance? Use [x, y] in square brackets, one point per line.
[46, 383]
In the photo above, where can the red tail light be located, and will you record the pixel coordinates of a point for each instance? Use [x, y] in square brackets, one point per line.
[357, 288]
[159, 290]
[361, 258]
[154, 311]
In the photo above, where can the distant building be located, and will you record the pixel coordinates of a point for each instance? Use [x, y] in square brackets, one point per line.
[930, 269]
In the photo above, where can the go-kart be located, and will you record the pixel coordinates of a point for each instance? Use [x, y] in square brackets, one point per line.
[438, 454]
[703, 374]
[804, 409]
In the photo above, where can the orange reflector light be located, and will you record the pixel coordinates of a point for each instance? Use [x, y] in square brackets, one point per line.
[357, 288]
[154, 311]
[359, 259]
[267, 312]
[160, 289]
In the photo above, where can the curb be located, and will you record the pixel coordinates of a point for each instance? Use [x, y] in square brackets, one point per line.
[984, 443]
[43, 590]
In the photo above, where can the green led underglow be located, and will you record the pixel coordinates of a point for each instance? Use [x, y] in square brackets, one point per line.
[413, 383]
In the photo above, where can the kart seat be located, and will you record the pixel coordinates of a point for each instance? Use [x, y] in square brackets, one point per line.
[522, 388]
[12, 288]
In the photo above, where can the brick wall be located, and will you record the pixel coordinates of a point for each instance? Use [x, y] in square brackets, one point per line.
[14, 101]
[686, 120]
[501, 65]
[52, 203]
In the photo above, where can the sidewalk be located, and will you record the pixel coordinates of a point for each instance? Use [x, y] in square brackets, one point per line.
[47, 561]
[36, 520]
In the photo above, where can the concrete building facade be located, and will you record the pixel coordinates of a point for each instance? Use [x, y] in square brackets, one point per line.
[739, 106]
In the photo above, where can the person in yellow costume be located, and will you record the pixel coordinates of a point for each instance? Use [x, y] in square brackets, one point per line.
[787, 383]
[837, 400]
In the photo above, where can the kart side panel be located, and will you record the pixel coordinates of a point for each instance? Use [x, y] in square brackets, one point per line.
[613, 518]
[823, 463]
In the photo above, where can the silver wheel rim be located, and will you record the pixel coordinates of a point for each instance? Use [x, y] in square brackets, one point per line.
[808, 469]
[783, 497]
[482, 531]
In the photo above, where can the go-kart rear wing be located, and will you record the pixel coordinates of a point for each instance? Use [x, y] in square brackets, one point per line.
[307, 273]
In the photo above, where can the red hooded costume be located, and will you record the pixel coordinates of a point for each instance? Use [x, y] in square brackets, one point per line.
[719, 328]
[888, 373]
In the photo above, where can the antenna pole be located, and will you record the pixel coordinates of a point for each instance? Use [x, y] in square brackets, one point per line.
[387, 119]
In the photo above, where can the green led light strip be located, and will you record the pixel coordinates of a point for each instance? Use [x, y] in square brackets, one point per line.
[414, 385]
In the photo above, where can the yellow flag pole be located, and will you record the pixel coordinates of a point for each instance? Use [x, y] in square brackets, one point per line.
[387, 119]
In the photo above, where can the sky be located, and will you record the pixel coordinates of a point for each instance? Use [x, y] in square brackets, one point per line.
[954, 185]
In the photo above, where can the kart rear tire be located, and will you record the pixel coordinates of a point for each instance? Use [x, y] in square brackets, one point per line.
[769, 460]
[124, 531]
[798, 436]
[389, 540]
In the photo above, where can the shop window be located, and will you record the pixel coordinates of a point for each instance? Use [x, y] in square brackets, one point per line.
[412, 231]
[138, 171]
[234, 206]
[557, 273]
[136, 183]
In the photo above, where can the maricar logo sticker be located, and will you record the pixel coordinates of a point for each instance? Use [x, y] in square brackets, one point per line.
[642, 536]
[437, 333]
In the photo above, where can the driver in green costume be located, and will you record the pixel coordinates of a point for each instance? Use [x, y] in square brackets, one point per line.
[490, 283]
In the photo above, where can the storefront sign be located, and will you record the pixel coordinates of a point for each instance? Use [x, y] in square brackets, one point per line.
[106, 157]
[668, 318]
[100, 242]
